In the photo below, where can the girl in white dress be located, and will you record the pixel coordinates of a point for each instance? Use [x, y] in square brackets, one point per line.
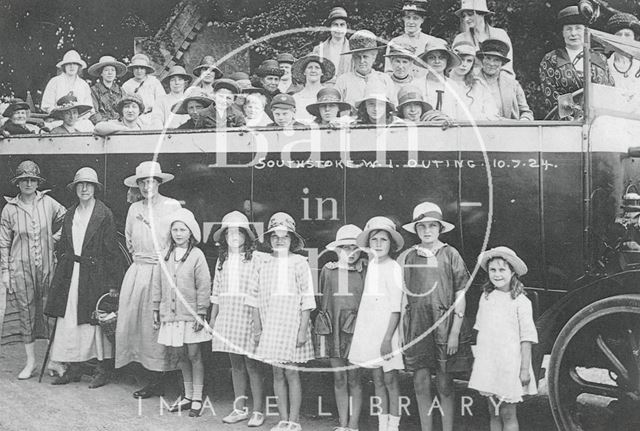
[180, 293]
[375, 341]
[502, 368]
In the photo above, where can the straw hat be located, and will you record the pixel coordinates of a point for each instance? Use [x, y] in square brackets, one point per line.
[375, 91]
[67, 103]
[328, 96]
[71, 57]
[281, 223]
[346, 235]
[401, 50]
[411, 94]
[141, 60]
[478, 6]
[176, 71]
[27, 169]
[234, 219]
[508, 255]
[438, 44]
[107, 60]
[208, 62]
[427, 211]
[229, 84]
[336, 13]
[187, 217]
[327, 66]
[85, 175]
[269, 68]
[623, 20]
[15, 105]
[379, 223]
[127, 98]
[147, 169]
[495, 47]
[180, 108]
[464, 47]
[362, 40]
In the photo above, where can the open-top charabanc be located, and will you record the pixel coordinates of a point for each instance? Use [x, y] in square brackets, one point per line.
[552, 190]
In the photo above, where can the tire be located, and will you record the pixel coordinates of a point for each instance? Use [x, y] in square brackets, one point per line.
[596, 337]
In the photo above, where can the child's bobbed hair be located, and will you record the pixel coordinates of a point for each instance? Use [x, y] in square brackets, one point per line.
[296, 243]
[249, 247]
[516, 287]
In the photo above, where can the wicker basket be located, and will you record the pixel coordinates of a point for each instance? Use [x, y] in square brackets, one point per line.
[106, 319]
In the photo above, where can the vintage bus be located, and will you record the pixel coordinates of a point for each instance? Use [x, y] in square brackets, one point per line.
[552, 190]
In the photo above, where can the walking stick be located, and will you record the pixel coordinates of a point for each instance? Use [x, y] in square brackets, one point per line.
[46, 355]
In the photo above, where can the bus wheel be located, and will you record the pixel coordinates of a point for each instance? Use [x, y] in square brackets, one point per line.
[596, 361]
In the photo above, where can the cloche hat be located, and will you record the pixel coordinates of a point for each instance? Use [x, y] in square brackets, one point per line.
[15, 105]
[285, 57]
[180, 108]
[127, 98]
[623, 20]
[71, 57]
[208, 62]
[495, 47]
[479, 6]
[176, 71]
[107, 60]
[281, 223]
[380, 223]
[438, 44]
[269, 68]
[229, 84]
[27, 169]
[411, 94]
[85, 175]
[328, 96]
[336, 13]
[187, 217]
[147, 169]
[508, 255]
[141, 60]
[427, 211]
[346, 235]
[464, 47]
[234, 219]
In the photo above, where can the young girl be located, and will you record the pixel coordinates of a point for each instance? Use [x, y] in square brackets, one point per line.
[376, 108]
[341, 285]
[435, 281]
[282, 300]
[375, 342]
[231, 318]
[182, 288]
[439, 60]
[502, 368]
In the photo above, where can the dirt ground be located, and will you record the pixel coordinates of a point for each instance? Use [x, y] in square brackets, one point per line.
[29, 405]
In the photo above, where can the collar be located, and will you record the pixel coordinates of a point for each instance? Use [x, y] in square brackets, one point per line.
[425, 252]
[365, 77]
[404, 80]
[14, 200]
[104, 89]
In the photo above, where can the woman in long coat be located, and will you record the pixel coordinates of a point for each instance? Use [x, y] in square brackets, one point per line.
[147, 234]
[29, 227]
[89, 266]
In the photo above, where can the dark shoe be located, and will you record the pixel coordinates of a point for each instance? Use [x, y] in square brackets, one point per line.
[99, 380]
[155, 389]
[196, 408]
[181, 405]
[67, 378]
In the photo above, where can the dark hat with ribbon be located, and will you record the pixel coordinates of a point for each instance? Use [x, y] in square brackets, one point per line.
[411, 94]
[67, 103]
[401, 50]
[417, 6]
[495, 47]
[363, 40]
[229, 84]
[328, 96]
[180, 108]
[623, 20]
[336, 13]
[269, 68]
[27, 169]
[285, 57]
[571, 16]
[209, 63]
[15, 105]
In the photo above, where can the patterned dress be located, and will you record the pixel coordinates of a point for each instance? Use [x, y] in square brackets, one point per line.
[28, 235]
[559, 76]
[232, 328]
[431, 281]
[147, 234]
[282, 289]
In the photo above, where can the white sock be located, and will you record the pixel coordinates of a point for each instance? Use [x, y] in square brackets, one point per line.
[383, 422]
[394, 423]
[197, 392]
[188, 390]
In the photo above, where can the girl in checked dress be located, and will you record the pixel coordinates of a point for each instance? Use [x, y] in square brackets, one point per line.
[282, 299]
[502, 369]
[231, 318]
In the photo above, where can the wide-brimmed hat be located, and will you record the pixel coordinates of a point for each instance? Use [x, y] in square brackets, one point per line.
[401, 50]
[380, 223]
[27, 169]
[180, 108]
[623, 20]
[327, 66]
[176, 71]
[437, 44]
[411, 94]
[186, 217]
[15, 105]
[427, 211]
[107, 60]
[147, 169]
[464, 47]
[336, 13]
[208, 62]
[375, 91]
[229, 84]
[234, 219]
[496, 47]
[128, 98]
[362, 40]
[285, 57]
[71, 57]
[269, 68]
[141, 60]
[571, 15]
[505, 253]
[283, 100]
[282, 222]
[67, 103]
[417, 6]
[85, 175]
[328, 96]
[346, 235]
[478, 6]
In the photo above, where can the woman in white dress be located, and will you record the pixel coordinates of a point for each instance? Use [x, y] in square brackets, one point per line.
[89, 266]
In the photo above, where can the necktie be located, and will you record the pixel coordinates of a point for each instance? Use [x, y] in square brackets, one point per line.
[439, 101]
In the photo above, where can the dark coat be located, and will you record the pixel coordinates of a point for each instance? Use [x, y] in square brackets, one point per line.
[101, 265]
